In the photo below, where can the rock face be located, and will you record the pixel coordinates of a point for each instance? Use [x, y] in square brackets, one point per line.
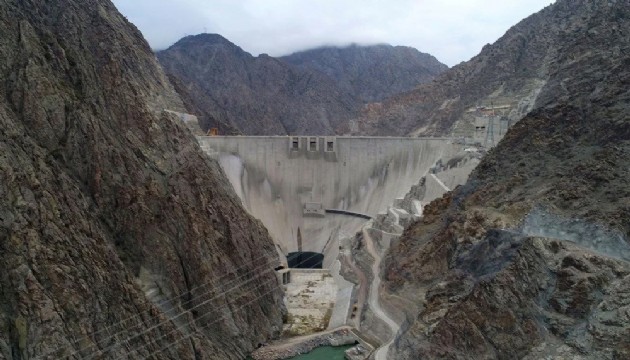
[372, 73]
[511, 73]
[112, 221]
[256, 95]
[313, 92]
[205, 120]
[530, 259]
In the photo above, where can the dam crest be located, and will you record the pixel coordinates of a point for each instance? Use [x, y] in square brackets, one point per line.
[308, 190]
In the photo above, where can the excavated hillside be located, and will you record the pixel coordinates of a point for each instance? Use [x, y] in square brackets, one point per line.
[531, 258]
[119, 238]
[509, 74]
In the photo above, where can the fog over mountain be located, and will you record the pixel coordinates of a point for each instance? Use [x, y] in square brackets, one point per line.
[313, 92]
[451, 30]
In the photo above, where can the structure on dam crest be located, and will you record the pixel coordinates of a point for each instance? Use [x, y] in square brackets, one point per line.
[307, 190]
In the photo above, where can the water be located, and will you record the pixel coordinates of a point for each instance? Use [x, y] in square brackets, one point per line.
[324, 353]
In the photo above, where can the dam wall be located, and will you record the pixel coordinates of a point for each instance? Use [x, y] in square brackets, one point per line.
[289, 182]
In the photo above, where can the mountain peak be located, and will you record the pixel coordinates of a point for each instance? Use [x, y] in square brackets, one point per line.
[268, 95]
[257, 95]
[204, 39]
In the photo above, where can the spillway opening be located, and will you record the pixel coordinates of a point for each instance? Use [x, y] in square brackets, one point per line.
[305, 260]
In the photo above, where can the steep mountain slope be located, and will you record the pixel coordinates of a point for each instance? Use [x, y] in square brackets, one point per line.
[531, 258]
[112, 221]
[204, 119]
[372, 73]
[257, 95]
[509, 73]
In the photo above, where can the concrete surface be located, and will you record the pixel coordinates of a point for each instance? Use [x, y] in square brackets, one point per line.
[310, 297]
[440, 183]
[457, 174]
[289, 183]
[275, 179]
[343, 298]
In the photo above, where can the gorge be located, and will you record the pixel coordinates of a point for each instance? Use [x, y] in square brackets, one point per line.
[199, 202]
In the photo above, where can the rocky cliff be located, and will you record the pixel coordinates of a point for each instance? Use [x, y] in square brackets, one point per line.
[311, 92]
[509, 74]
[118, 237]
[531, 258]
[372, 73]
[205, 120]
[256, 95]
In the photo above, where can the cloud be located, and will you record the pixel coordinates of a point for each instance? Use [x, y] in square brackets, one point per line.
[451, 30]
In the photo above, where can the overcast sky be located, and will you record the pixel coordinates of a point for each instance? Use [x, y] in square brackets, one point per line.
[451, 30]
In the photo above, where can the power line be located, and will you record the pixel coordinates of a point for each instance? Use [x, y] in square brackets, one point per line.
[490, 130]
[173, 331]
[174, 298]
[190, 335]
[143, 346]
[91, 355]
[111, 336]
[182, 313]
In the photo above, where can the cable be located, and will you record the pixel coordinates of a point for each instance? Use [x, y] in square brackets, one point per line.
[173, 331]
[188, 336]
[185, 303]
[135, 350]
[180, 314]
[193, 333]
[215, 281]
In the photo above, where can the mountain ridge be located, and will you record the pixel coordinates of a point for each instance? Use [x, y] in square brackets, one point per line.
[270, 96]
[511, 71]
[257, 95]
[372, 72]
[530, 258]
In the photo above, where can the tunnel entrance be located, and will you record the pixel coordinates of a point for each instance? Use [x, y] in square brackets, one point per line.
[305, 260]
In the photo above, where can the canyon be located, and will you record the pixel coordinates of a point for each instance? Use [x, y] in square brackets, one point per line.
[481, 211]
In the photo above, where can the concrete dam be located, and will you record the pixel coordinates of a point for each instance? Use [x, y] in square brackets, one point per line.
[310, 191]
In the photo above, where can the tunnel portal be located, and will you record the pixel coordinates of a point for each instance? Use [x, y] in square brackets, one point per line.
[305, 260]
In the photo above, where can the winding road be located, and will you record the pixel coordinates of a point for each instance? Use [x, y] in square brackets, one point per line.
[373, 299]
